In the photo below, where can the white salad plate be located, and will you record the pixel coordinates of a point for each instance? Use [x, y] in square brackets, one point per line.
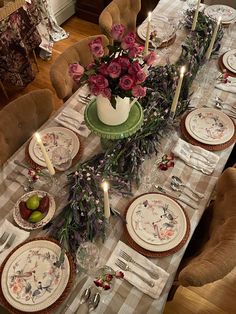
[30, 281]
[53, 137]
[226, 13]
[229, 60]
[209, 126]
[156, 222]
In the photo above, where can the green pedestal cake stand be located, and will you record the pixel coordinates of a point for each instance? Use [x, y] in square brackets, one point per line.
[109, 132]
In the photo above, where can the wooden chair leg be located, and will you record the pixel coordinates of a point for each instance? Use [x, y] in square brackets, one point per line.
[35, 60]
[4, 90]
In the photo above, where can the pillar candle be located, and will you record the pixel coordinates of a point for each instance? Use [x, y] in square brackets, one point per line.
[196, 16]
[45, 155]
[213, 38]
[177, 92]
[148, 34]
[107, 211]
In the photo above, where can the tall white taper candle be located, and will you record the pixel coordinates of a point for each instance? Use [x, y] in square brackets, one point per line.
[213, 38]
[196, 16]
[45, 155]
[107, 211]
[177, 92]
[148, 34]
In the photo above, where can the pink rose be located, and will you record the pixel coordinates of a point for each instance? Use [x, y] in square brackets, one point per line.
[140, 76]
[98, 282]
[128, 41]
[138, 91]
[106, 286]
[117, 31]
[90, 66]
[109, 277]
[150, 58]
[134, 68]
[135, 51]
[95, 90]
[96, 47]
[119, 274]
[124, 62]
[76, 71]
[126, 82]
[99, 80]
[106, 93]
[103, 69]
[114, 69]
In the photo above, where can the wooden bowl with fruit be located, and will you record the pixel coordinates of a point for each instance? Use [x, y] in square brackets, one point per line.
[34, 210]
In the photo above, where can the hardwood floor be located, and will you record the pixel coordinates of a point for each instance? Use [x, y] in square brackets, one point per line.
[216, 298]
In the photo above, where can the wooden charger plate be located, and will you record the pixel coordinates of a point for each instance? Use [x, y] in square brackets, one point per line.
[138, 248]
[61, 298]
[209, 147]
[34, 165]
[223, 67]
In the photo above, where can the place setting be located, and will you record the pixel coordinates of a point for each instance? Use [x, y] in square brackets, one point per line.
[227, 13]
[208, 128]
[157, 225]
[52, 138]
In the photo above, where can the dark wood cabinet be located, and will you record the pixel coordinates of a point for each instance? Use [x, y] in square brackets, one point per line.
[90, 10]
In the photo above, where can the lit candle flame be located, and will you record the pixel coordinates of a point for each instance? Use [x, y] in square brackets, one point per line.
[182, 71]
[38, 138]
[105, 186]
[149, 16]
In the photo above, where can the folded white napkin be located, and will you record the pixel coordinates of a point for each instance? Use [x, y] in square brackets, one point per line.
[195, 156]
[21, 236]
[227, 87]
[153, 292]
[73, 120]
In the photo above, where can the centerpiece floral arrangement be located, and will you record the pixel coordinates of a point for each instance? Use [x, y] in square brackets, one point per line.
[83, 219]
[118, 70]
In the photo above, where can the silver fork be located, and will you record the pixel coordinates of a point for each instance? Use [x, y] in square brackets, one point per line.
[123, 266]
[4, 237]
[9, 242]
[129, 259]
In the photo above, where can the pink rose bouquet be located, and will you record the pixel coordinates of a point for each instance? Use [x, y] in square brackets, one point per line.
[122, 72]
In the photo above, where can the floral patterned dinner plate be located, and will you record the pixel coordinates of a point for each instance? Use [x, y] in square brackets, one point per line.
[52, 138]
[161, 25]
[30, 280]
[229, 60]
[227, 13]
[156, 222]
[209, 126]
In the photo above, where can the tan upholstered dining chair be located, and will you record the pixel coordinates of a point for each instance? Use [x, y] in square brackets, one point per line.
[211, 254]
[59, 74]
[21, 118]
[119, 12]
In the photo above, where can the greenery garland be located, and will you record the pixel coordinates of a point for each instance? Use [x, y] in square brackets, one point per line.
[82, 219]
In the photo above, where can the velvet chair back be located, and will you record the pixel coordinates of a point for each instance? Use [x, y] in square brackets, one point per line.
[80, 52]
[119, 12]
[21, 118]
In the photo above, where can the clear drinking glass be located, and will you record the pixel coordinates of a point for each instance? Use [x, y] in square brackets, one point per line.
[61, 158]
[87, 257]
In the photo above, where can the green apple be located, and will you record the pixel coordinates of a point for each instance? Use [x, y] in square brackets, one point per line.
[36, 216]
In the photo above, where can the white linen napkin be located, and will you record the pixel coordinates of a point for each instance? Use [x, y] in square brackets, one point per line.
[74, 120]
[153, 292]
[227, 87]
[195, 156]
[21, 236]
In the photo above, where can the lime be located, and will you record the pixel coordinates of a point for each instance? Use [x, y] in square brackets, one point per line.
[33, 202]
[36, 216]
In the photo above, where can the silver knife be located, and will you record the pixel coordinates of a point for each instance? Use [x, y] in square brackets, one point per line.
[165, 191]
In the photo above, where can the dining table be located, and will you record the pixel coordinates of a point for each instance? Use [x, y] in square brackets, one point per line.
[124, 297]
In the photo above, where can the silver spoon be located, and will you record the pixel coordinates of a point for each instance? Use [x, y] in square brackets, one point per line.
[219, 106]
[93, 303]
[84, 298]
[175, 187]
[179, 182]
